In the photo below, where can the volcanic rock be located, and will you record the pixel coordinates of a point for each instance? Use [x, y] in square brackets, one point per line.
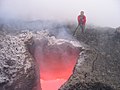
[98, 67]
[17, 66]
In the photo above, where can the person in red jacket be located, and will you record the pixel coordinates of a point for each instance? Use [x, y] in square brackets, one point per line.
[82, 21]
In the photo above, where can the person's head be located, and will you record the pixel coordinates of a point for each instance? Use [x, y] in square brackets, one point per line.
[82, 13]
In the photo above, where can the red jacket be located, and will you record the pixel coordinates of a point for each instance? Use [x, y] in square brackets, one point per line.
[82, 19]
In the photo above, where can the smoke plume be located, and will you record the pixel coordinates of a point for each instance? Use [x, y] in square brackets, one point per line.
[100, 12]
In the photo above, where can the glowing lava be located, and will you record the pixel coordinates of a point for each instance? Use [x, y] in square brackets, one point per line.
[52, 84]
[56, 63]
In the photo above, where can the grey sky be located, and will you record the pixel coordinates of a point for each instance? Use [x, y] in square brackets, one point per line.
[98, 12]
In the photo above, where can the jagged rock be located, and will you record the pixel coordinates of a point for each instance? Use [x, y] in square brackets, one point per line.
[17, 66]
[100, 67]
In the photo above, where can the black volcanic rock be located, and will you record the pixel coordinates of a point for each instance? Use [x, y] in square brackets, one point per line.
[98, 67]
[17, 66]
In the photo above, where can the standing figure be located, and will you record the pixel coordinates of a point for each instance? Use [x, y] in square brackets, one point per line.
[82, 21]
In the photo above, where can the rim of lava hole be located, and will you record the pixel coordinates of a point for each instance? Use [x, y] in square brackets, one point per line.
[55, 58]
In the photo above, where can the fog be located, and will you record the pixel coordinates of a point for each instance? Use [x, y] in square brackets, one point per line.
[98, 12]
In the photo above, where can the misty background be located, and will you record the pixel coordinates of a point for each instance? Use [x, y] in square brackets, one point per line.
[99, 12]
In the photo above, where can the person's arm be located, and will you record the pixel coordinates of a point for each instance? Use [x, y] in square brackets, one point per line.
[84, 20]
[78, 19]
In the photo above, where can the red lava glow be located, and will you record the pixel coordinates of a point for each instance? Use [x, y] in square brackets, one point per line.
[52, 84]
[56, 63]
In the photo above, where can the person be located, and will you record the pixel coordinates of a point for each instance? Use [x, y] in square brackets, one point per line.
[82, 21]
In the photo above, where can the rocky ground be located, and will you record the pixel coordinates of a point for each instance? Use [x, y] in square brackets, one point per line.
[101, 67]
[17, 66]
[98, 67]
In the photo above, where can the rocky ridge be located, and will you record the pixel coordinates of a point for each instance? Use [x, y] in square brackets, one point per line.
[100, 67]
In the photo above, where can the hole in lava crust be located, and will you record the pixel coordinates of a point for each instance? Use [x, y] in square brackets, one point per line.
[56, 61]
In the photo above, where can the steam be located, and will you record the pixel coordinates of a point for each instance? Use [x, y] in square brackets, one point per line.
[56, 58]
[98, 12]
